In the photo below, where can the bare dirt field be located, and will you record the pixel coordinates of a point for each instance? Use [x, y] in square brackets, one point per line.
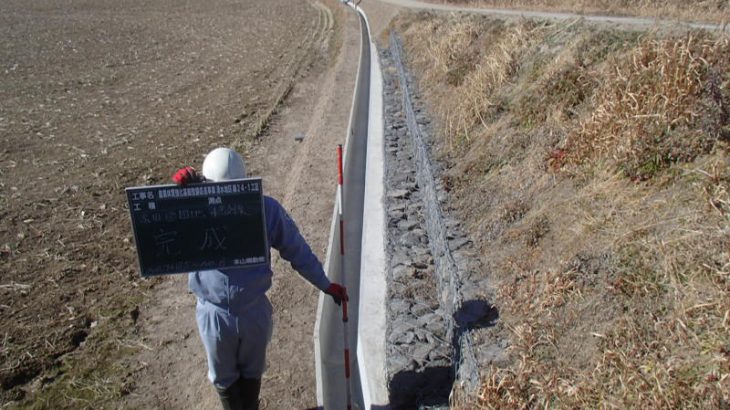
[98, 96]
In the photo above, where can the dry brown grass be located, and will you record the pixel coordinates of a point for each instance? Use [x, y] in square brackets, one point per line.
[657, 319]
[612, 279]
[475, 67]
[717, 11]
[657, 105]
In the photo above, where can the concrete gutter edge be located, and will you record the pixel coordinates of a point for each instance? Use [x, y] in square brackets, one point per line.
[373, 288]
[326, 340]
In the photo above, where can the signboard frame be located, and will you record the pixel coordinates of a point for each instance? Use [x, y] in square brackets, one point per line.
[223, 210]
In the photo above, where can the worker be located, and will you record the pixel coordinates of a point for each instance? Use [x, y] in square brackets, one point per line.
[234, 315]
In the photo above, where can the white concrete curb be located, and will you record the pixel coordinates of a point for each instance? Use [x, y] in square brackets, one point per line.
[373, 289]
[328, 333]
[322, 331]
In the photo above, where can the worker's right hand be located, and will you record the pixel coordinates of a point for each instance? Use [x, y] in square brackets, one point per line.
[338, 293]
[186, 175]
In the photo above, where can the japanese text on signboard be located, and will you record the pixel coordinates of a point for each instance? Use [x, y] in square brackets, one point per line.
[199, 227]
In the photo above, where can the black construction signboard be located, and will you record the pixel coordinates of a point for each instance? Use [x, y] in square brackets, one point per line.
[204, 226]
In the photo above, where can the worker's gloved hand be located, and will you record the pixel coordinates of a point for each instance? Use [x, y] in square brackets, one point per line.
[338, 293]
[187, 175]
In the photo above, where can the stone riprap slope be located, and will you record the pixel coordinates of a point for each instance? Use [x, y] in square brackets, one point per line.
[434, 301]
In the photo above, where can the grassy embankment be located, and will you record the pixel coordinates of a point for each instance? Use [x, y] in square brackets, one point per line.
[591, 167]
[714, 11]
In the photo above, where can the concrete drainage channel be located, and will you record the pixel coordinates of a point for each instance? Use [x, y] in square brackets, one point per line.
[328, 333]
[411, 282]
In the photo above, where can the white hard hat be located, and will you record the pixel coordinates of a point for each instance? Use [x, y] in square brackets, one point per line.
[223, 164]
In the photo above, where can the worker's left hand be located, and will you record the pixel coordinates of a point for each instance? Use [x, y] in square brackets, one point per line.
[186, 175]
[338, 293]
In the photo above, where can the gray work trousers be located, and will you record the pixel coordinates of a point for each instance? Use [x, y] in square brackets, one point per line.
[235, 343]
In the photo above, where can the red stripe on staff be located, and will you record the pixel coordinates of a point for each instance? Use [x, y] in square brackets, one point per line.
[339, 164]
[347, 363]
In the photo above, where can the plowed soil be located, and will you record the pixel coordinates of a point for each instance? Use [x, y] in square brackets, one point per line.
[100, 95]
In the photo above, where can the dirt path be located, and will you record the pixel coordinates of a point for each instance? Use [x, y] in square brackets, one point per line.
[514, 13]
[301, 175]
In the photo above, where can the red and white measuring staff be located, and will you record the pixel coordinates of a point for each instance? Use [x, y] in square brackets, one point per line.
[342, 272]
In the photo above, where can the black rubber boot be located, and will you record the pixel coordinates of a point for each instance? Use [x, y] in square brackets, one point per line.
[249, 390]
[231, 398]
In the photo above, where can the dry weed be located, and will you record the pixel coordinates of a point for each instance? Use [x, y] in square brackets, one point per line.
[476, 62]
[450, 48]
[539, 292]
[566, 75]
[669, 346]
[478, 96]
[647, 113]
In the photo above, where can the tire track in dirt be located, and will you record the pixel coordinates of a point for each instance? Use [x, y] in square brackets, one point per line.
[324, 101]
[300, 62]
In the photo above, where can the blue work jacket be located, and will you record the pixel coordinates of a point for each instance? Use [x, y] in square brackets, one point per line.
[238, 289]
